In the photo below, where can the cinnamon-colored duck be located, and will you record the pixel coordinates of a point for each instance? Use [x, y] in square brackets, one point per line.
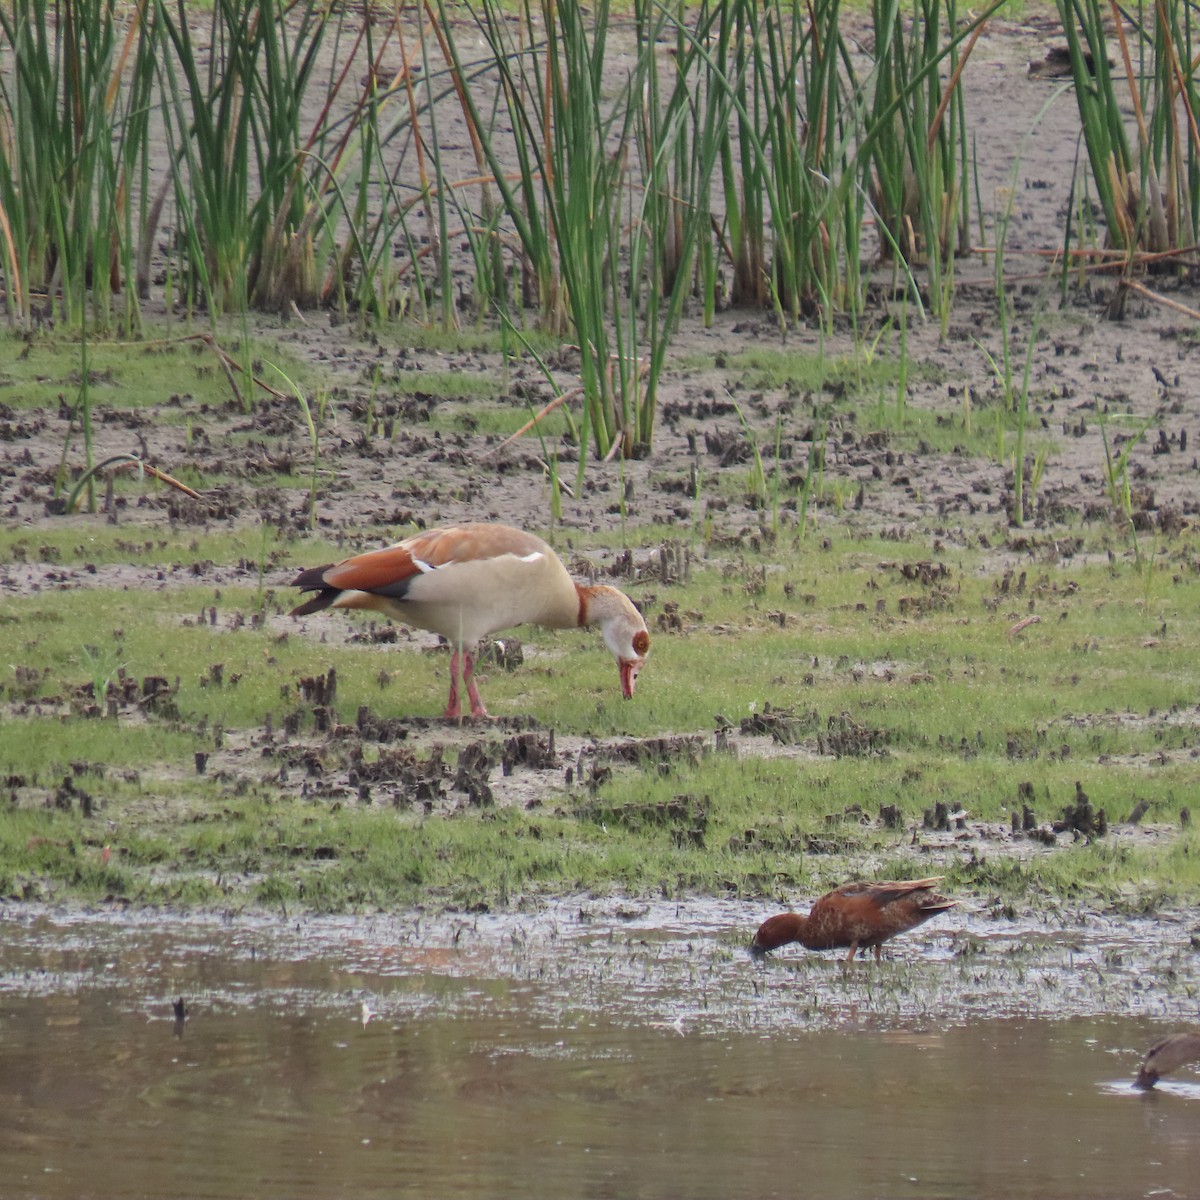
[468, 581]
[1166, 1055]
[856, 915]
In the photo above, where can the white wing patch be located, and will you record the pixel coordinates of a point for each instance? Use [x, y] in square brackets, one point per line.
[428, 568]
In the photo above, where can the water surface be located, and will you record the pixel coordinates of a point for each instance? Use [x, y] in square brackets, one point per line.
[563, 1054]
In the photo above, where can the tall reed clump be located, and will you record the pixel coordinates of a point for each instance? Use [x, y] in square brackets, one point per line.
[375, 220]
[562, 178]
[232, 124]
[917, 137]
[607, 182]
[792, 217]
[726, 153]
[1149, 185]
[73, 139]
[605, 187]
[1173, 131]
[743, 154]
[259, 191]
[609, 259]
[813, 152]
[684, 108]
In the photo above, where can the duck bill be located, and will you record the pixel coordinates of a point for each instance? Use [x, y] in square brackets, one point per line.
[629, 668]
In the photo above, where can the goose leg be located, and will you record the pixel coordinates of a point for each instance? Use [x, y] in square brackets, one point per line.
[477, 708]
[453, 705]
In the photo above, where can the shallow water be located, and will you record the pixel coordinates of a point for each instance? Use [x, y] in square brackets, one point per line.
[607, 1053]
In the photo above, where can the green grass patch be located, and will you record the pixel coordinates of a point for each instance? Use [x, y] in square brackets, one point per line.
[870, 394]
[752, 828]
[85, 541]
[882, 676]
[802, 371]
[500, 419]
[450, 340]
[43, 370]
[451, 385]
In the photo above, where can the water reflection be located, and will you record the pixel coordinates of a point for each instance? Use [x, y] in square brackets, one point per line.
[606, 1060]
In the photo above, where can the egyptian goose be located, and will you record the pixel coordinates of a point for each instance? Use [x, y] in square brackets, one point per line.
[468, 581]
[1165, 1055]
[854, 915]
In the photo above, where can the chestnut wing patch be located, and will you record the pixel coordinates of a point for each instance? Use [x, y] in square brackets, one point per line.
[387, 572]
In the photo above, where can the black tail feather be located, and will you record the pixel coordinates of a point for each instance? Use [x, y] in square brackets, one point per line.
[322, 600]
[313, 580]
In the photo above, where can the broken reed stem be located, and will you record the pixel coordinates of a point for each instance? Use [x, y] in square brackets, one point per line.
[228, 363]
[125, 462]
[1024, 624]
[1141, 289]
[572, 394]
[161, 476]
[1112, 258]
[936, 124]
